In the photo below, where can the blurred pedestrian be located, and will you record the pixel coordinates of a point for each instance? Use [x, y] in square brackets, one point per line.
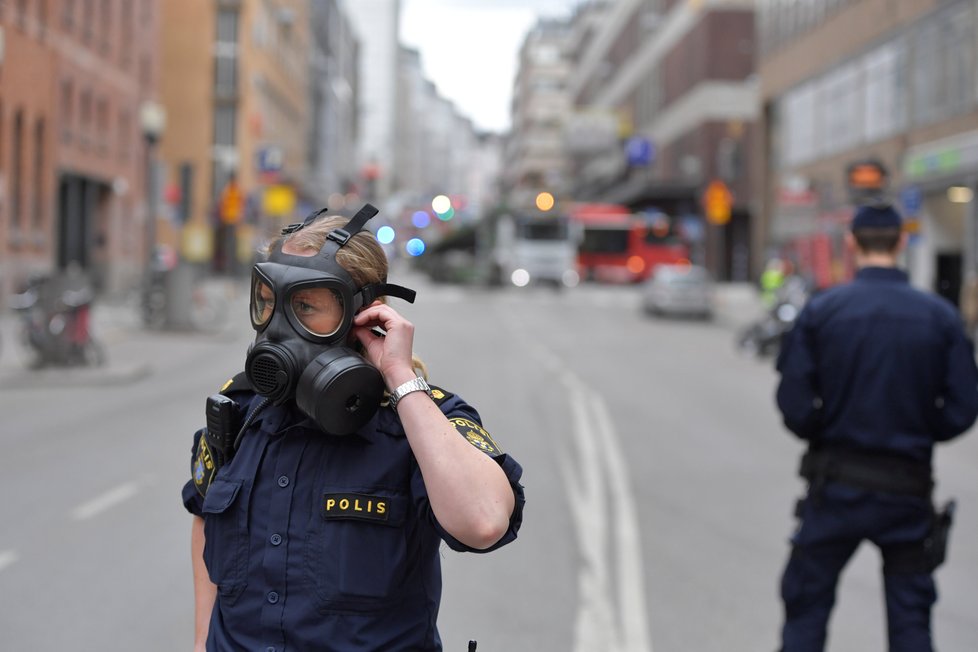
[873, 373]
[772, 278]
[330, 472]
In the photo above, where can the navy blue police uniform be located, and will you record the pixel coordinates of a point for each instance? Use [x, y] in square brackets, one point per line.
[323, 542]
[873, 373]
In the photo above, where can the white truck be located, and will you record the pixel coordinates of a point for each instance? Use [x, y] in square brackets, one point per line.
[534, 248]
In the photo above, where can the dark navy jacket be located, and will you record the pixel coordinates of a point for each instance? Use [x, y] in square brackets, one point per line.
[327, 543]
[877, 365]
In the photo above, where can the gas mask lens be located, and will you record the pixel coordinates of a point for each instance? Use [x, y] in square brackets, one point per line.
[262, 302]
[319, 310]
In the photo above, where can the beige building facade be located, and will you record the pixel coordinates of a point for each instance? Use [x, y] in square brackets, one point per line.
[843, 81]
[236, 87]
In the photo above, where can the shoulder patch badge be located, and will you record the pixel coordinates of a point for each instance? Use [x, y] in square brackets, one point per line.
[439, 395]
[476, 435]
[204, 468]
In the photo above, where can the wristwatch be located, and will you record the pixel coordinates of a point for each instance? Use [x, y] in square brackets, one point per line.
[416, 384]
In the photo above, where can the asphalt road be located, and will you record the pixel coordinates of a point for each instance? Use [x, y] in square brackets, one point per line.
[659, 484]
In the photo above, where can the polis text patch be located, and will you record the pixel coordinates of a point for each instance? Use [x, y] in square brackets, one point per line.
[356, 506]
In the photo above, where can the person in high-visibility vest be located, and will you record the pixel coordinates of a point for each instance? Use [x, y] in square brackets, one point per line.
[772, 278]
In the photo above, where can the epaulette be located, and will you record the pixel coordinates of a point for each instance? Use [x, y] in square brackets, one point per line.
[238, 383]
[439, 395]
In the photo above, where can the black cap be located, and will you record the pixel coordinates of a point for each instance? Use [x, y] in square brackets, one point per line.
[876, 217]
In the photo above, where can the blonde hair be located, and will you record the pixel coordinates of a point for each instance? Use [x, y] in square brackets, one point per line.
[362, 257]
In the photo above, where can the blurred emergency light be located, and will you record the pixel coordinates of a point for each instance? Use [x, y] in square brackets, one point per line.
[441, 204]
[420, 219]
[415, 247]
[385, 235]
[867, 175]
[867, 181]
[545, 201]
[960, 194]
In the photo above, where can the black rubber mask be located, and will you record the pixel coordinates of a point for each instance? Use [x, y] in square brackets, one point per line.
[302, 308]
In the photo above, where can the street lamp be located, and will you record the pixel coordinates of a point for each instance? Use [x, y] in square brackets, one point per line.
[152, 121]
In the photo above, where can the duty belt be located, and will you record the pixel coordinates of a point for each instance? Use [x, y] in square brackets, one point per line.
[883, 472]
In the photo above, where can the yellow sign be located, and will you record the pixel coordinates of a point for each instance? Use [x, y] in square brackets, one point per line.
[278, 201]
[197, 242]
[717, 202]
[246, 249]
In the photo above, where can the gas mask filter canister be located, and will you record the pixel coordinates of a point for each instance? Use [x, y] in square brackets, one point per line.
[302, 308]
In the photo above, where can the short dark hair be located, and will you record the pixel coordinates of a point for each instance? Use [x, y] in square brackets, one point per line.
[877, 240]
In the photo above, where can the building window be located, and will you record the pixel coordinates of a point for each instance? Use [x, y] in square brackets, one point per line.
[224, 124]
[225, 76]
[67, 110]
[841, 107]
[2, 143]
[943, 72]
[102, 120]
[68, 14]
[85, 122]
[88, 19]
[38, 221]
[798, 109]
[105, 26]
[125, 135]
[22, 14]
[17, 172]
[125, 35]
[227, 26]
[885, 74]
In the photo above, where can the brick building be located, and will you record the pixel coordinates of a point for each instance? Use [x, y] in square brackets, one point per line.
[72, 80]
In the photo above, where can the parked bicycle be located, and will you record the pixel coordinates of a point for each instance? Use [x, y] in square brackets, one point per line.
[56, 323]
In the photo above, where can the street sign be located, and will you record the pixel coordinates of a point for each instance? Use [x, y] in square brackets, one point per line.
[639, 151]
[270, 159]
[232, 204]
[717, 202]
[912, 200]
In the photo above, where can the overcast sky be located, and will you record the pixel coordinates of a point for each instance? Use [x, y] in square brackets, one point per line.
[469, 49]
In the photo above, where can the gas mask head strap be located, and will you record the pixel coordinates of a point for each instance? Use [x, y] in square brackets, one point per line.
[339, 237]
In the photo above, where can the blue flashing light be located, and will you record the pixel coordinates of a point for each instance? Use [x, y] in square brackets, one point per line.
[420, 219]
[385, 235]
[415, 247]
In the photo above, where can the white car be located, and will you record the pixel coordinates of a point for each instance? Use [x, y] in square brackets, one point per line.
[679, 290]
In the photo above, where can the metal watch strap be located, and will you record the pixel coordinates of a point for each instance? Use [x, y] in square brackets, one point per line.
[416, 384]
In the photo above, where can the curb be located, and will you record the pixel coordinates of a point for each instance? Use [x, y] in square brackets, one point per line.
[74, 376]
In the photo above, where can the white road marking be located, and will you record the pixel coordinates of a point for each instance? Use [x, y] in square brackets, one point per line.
[105, 501]
[7, 557]
[605, 518]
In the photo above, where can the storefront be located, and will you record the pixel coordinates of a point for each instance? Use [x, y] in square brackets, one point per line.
[938, 196]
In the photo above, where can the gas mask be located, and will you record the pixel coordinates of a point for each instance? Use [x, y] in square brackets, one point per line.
[302, 308]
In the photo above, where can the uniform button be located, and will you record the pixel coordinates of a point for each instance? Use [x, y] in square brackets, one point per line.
[283, 481]
[275, 539]
[272, 597]
[269, 649]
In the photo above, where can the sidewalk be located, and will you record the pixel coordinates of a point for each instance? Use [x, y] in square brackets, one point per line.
[737, 304]
[114, 320]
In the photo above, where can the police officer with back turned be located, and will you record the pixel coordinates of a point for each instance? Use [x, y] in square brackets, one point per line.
[873, 373]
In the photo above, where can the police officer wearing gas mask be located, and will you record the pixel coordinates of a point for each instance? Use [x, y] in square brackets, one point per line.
[330, 471]
[873, 374]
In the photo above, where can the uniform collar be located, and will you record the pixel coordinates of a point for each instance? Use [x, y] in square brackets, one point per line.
[891, 274]
[282, 418]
